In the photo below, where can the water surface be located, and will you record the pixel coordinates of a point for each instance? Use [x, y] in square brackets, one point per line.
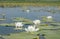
[35, 13]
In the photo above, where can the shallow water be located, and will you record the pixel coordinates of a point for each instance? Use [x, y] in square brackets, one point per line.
[8, 30]
[35, 13]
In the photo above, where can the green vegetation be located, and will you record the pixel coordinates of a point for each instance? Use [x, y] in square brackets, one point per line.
[17, 19]
[49, 34]
[47, 30]
[24, 20]
[15, 3]
[1, 19]
[21, 19]
[6, 24]
[29, 0]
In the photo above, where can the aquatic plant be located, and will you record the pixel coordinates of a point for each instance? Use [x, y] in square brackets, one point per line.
[27, 11]
[20, 19]
[23, 20]
[3, 15]
[36, 22]
[18, 24]
[49, 17]
[31, 29]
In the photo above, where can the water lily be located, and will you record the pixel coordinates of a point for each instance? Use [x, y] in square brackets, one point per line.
[49, 17]
[31, 29]
[27, 11]
[36, 22]
[18, 24]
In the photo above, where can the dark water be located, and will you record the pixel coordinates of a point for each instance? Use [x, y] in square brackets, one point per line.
[35, 13]
[8, 30]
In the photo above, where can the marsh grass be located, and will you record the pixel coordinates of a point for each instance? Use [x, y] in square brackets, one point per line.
[19, 4]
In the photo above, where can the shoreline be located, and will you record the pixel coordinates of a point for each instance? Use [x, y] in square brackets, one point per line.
[28, 4]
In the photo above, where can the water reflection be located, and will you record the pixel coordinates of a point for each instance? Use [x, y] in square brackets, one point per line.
[8, 30]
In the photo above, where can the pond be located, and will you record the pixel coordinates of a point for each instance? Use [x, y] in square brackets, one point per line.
[34, 13]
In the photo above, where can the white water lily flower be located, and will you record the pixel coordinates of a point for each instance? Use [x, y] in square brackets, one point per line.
[27, 11]
[18, 24]
[49, 17]
[31, 29]
[36, 22]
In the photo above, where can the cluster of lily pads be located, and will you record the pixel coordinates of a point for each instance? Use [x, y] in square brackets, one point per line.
[31, 28]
